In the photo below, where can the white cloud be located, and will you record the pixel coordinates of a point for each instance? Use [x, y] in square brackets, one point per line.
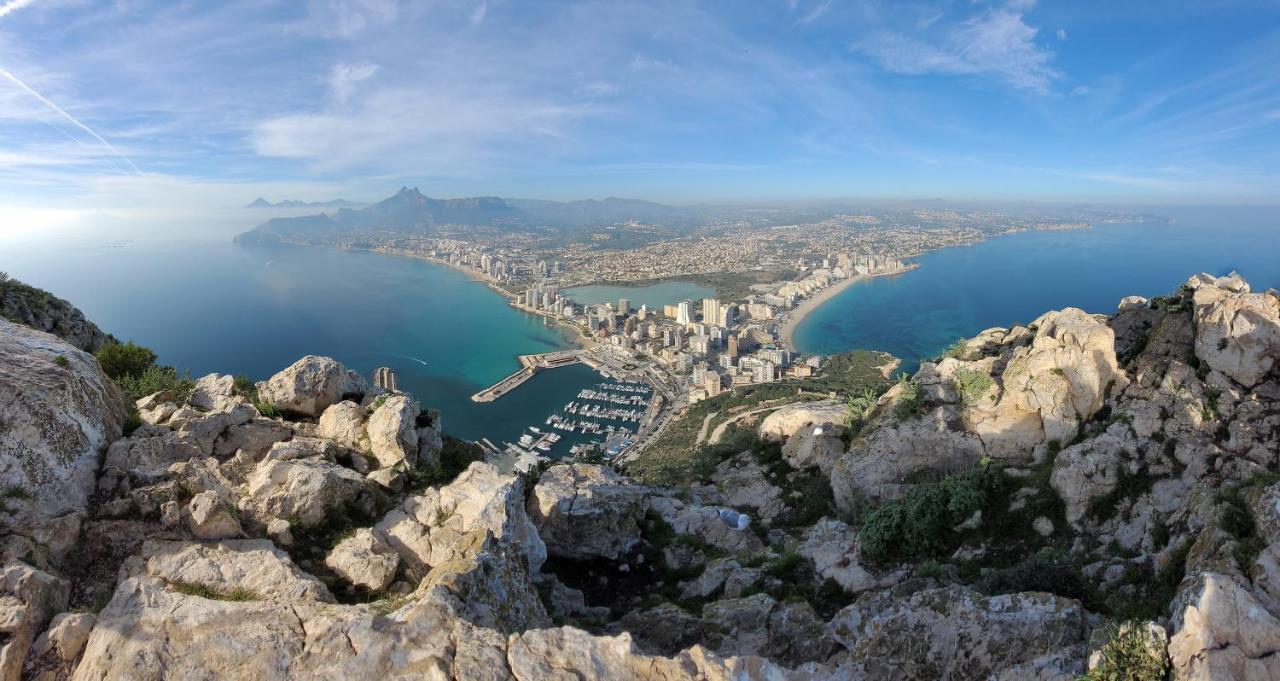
[1062, 34]
[350, 18]
[13, 6]
[343, 78]
[996, 43]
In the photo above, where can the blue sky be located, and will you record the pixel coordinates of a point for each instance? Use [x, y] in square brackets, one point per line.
[186, 104]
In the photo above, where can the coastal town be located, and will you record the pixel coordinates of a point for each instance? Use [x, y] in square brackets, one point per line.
[767, 275]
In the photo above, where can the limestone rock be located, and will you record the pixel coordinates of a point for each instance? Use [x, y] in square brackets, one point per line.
[310, 385]
[833, 547]
[206, 428]
[208, 518]
[819, 446]
[344, 423]
[1237, 332]
[215, 391]
[66, 636]
[28, 598]
[364, 559]
[759, 625]
[957, 633]
[1221, 631]
[58, 412]
[428, 529]
[1064, 375]
[42, 311]
[705, 523]
[254, 437]
[307, 490]
[587, 511]
[392, 436]
[793, 418]
[254, 565]
[1087, 470]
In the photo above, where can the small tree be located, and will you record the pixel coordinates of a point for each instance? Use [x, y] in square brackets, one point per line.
[121, 360]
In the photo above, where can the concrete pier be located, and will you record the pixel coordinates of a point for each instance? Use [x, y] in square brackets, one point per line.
[530, 365]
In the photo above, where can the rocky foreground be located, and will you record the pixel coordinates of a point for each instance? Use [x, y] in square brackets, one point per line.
[991, 517]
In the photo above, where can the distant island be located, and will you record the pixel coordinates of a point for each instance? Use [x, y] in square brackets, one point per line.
[291, 203]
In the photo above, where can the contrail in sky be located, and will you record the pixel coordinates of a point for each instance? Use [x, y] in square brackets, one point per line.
[13, 5]
[14, 79]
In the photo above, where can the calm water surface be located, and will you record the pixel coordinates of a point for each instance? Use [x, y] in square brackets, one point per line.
[958, 292]
[654, 295]
[221, 307]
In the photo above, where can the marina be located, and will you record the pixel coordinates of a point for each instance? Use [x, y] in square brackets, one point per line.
[603, 418]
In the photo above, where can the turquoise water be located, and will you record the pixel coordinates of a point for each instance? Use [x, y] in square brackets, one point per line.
[958, 292]
[234, 309]
[654, 295]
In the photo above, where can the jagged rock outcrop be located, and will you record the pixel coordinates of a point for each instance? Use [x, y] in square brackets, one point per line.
[28, 598]
[428, 529]
[586, 511]
[310, 385]
[43, 311]
[58, 413]
[393, 438]
[365, 560]
[1237, 332]
[957, 633]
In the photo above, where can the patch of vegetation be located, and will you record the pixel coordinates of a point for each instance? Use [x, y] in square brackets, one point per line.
[1128, 486]
[1236, 519]
[972, 385]
[676, 457]
[119, 360]
[378, 402]
[920, 525]
[910, 401]
[860, 407]
[196, 589]
[1129, 655]
[62, 361]
[957, 350]
[455, 456]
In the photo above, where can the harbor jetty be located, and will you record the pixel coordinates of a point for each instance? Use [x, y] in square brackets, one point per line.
[529, 365]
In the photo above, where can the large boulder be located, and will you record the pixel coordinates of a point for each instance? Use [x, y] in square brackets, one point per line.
[310, 385]
[793, 418]
[28, 598]
[1237, 332]
[58, 412]
[958, 633]
[431, 528]
[308, 491]
[1064, 374]
[365, 560]
[393, 438]
[834, 549]
[1221, 631]
[252, 567]
[344, 423]
[585, 511]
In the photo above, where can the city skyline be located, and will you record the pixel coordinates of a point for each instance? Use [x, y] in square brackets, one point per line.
[181, 108]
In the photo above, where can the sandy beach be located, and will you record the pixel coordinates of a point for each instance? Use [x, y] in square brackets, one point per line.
[793, 318]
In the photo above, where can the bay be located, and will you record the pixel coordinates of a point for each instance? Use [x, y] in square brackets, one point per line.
[221, 307]
[957, 292]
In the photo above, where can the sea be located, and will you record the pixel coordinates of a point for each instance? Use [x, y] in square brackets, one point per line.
[214, 306]
[957, 292]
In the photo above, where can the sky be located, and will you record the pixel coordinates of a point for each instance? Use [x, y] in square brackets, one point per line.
[175, 106]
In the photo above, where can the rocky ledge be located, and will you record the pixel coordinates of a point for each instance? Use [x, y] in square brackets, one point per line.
[1079, 495]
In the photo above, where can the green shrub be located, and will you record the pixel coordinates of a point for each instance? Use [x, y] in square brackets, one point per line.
[121, 360]
[154, 379]
[972, 385]
[1129, 654]
[62, 361]
[920, 524]
[910, 400]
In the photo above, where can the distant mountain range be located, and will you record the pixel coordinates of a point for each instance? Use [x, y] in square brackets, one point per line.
[412, 213]
[290, 203]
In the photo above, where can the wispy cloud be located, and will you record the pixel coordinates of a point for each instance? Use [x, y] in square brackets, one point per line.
[343, 78]
[72, 119]
[995, 43]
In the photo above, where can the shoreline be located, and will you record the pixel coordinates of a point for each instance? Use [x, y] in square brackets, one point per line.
[791, 321]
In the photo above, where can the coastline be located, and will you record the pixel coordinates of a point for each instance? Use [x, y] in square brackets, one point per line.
[791, 321]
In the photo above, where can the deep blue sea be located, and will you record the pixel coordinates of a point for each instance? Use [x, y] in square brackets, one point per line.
[220, 307]
[958, 292]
